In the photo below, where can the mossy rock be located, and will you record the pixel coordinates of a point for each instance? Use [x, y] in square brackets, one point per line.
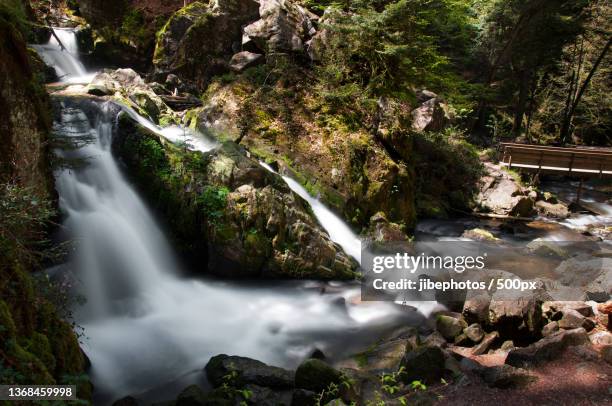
[316, 375]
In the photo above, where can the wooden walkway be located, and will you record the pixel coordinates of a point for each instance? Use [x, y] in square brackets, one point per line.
[578, 162]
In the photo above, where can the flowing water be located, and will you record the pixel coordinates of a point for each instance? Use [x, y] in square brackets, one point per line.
[64, 58]
[145, 324]
[148, 326]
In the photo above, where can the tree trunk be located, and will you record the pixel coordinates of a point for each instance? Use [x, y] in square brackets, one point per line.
[565, 129]
[519, 110]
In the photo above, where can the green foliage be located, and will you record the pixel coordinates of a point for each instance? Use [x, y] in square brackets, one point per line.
[25, 216]
[213, 200]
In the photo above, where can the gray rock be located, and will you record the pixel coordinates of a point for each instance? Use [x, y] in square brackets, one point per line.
[435, 339]
[303, 397]
[601, 338]
[515, 316]
[262, 396]
[476, 308]
[248, 371]
[486, 343]
[450, 327]
[424, 363]
[245, 59]
[474, 332]
[505, 376]
[284, 26]
[550, 328]
[558, 210]
[583, 308]
[547, 348]
[463, 340]
[572, 319]
[432, 115]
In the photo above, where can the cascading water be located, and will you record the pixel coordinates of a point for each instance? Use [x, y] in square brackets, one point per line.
[64, 57]
[338, 230]
[145, 325]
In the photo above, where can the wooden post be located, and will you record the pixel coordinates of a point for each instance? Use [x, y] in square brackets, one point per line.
[579, 192]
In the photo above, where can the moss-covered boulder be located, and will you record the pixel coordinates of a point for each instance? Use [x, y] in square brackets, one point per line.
[198, 40]
[316, 375]
[227, 213]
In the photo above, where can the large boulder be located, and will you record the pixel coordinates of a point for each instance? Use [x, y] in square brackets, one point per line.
[284, 27]
[198, 41]
[501, 194]
[229, 215]
[519, 317]
[547, 348]
[246, 371]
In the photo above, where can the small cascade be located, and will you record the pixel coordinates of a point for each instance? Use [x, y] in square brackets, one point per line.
[64, 58]
[338, 230]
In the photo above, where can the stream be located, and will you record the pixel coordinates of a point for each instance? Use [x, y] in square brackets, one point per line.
[149, 329]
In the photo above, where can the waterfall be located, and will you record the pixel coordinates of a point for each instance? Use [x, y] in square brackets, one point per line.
[66, 62]
[338, 230]
[146, 324]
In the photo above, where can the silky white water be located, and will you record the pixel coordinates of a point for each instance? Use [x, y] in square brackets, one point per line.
[66, 61]
[338, 230]
[144, 324]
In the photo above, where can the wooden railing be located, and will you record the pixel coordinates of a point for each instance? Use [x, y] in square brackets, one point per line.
[579, 162]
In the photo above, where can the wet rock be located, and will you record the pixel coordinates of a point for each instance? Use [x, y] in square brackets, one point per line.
[450, 327]
[191, 396]
[547, 248]
[547, 348]
[478, 234]
[474, 332]
[248, 371]
[432, 115]
[425, 363]
[316, 375]
[245, 59]
[572, 319]
[558, 211]
[505, 376]
[486, 343]
[435, 339]
[550, 328]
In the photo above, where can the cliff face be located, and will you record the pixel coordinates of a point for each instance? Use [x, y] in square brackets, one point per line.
[36, 345]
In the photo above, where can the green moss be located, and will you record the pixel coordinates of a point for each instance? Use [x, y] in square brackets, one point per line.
[213, 201]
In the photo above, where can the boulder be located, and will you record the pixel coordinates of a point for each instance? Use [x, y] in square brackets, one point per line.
[245, 59]
[227, 212]
[198, 40]
[601, 338]
[450, 327]
[247, 371]
[501, 194]
[382, 230]
[191, 396]
[432, 115]
[316, 375]
[425, 363]
[606, 353]
[435, 339]
[552, 307]
[476, 307]
[474, 332]
[303, 397]
[572, 319]
[547, 348]
[507, 345]
[505, 376]
[550, 328]
[558, 210]
[486, 343]
[515, 317]
[284, 26]
[478, 234]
